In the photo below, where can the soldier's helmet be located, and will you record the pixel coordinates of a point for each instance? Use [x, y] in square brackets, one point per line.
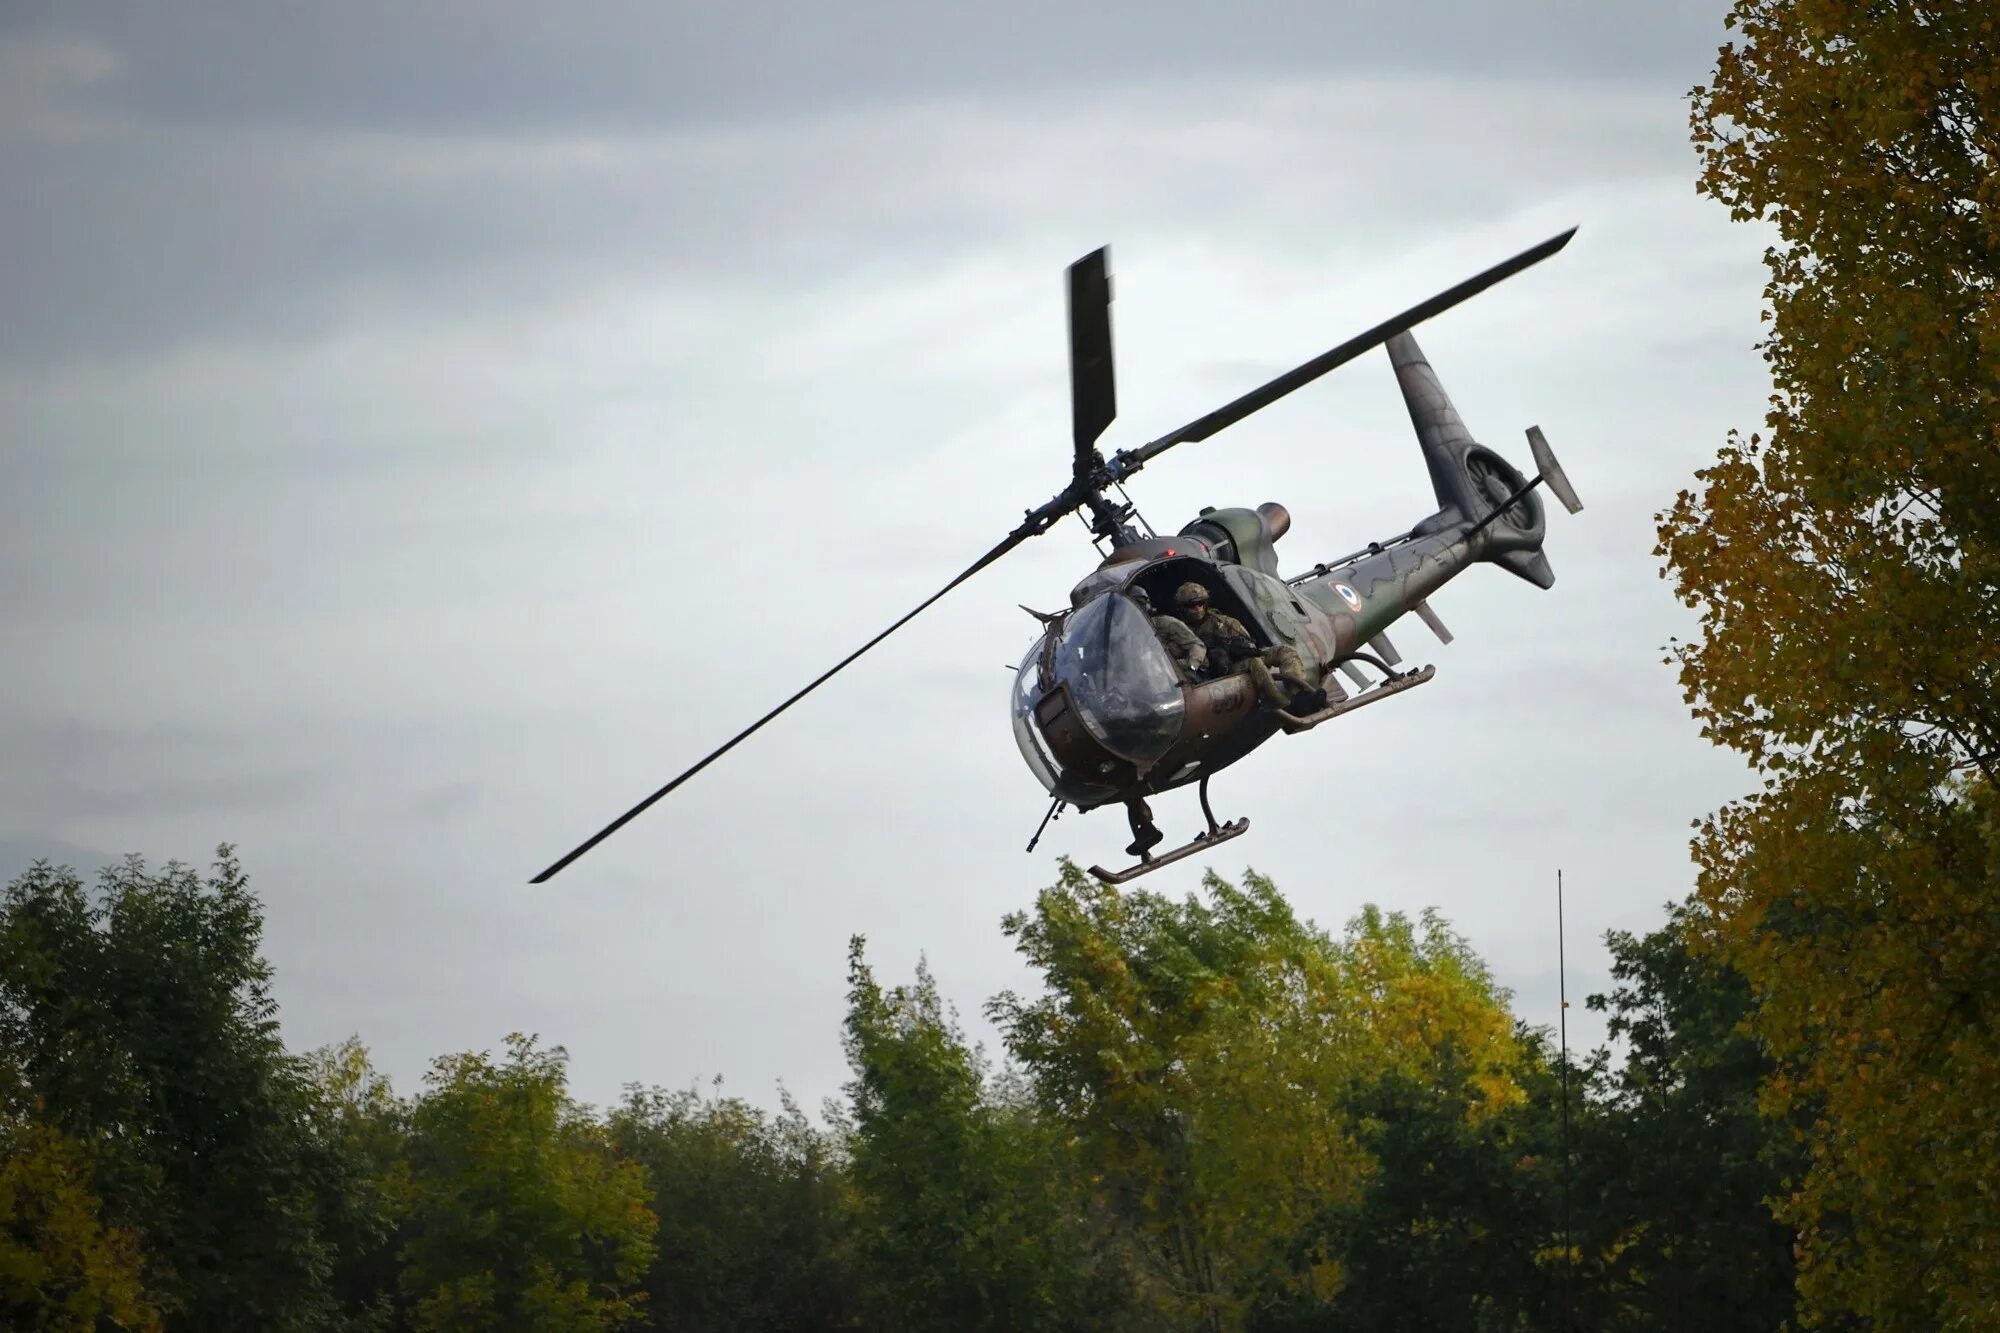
[1190, 594]
[1142, 597]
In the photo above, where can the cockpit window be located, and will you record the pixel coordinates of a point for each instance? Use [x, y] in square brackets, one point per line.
[1123, 682]
[1099, 582]
[1027, 693]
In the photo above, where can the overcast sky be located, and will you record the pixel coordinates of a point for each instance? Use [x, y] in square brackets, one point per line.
[426, 428]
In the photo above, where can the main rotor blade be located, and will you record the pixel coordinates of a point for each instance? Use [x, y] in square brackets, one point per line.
[1093, 397]
[1129, 461]
[1037, 522]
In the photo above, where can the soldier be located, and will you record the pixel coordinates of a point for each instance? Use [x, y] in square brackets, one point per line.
[1146, 834]
[1227, 640]
[1182, 643]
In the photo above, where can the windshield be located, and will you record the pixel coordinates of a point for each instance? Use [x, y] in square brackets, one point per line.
[1121, 678]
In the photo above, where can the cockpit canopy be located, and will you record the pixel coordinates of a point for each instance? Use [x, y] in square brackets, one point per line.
[1104, 667]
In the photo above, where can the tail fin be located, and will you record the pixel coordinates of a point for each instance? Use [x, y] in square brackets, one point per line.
[1471, 481]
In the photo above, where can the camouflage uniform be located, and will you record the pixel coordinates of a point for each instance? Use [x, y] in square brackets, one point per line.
[1183, 645]
[1217, 630]
[1190, 654]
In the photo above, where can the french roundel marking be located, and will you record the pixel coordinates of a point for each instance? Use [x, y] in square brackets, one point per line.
[1348, 595]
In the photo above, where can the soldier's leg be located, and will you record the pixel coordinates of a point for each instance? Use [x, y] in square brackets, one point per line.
[1267, 687]
[1145, 834]
[1305, 697]
[1291, 667]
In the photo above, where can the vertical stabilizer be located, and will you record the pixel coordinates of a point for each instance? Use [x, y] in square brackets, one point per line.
[1441, 432]
[1474, 484]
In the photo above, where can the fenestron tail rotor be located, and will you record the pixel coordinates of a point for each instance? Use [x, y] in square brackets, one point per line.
[1093, 406]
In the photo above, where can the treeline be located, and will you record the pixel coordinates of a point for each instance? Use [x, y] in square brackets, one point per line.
[1211, 1116]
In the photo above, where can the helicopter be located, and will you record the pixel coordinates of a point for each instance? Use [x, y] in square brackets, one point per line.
[1102, 713]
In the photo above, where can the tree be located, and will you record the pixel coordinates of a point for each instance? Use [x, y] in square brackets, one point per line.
[756, 1215]
[1684, 1162]
[969, 1210]
[142, 1025]
[370, 1125]
[1847, 572]
[522, 1216]
[1456, 1228]
[1202, 1052]
[62, 1270]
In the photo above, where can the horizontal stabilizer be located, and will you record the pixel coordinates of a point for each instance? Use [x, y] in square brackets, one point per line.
[1385, 650]
[1430, 618]
[1552, 472]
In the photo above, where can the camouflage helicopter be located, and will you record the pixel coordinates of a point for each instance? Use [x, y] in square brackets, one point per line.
[1104, 714]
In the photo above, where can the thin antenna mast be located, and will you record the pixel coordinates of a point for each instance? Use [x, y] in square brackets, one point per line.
[1562, 1022]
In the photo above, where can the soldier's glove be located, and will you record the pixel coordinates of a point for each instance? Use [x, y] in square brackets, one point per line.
[1242, 647]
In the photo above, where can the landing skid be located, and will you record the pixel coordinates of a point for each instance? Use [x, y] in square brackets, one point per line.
[1396, 684]
[1216, 834]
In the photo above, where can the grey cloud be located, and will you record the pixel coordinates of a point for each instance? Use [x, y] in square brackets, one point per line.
[625, 64]
[194, 199]
[447, 802]
[213, 798]
[20, 851]
[67, 768]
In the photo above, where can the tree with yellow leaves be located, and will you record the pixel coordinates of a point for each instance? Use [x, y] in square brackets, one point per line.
[1202, 1052]
[61, 1268]
[1846, 567]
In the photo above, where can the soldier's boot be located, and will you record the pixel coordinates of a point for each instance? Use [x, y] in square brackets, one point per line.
[1145, 834]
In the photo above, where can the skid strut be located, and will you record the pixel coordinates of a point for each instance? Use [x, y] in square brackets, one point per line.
[1215, 834]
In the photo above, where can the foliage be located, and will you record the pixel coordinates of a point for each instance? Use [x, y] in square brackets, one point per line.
[1455, 1188]
[143, 1025]
[1684, 1160]
[1200, 1052]
[369, 1125]
[756, 1215]
[1845, 571]
[522, 1216]
[1223, 1118]
[968, 1211]
[61, 1267]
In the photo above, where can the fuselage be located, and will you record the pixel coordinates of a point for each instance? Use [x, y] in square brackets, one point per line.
[1101, 711]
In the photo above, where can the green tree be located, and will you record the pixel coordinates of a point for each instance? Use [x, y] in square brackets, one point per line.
[1846, 566]
[756, 1217]
[370, 1125]
[1691, 1241]
[521, 1214]
[141, 1022]
[968, 1207]
[1457, 1228]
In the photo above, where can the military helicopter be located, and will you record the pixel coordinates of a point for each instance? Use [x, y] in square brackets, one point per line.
[1102, 713]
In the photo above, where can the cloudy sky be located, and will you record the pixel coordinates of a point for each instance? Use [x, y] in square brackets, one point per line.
[425, 428]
